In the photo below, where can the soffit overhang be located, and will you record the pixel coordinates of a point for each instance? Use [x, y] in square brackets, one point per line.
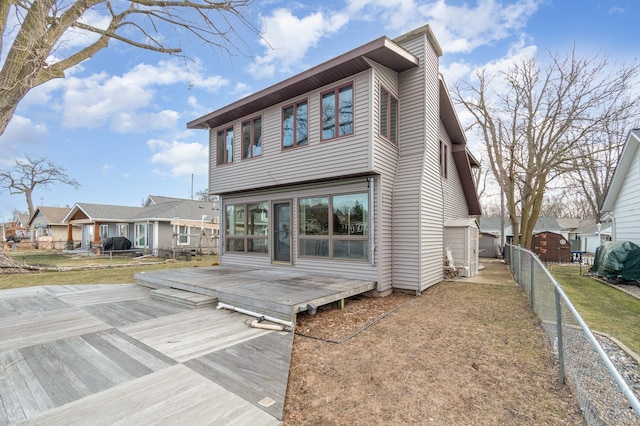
[382, 51]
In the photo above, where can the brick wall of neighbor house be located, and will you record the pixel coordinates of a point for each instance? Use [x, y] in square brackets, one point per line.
[418, 205]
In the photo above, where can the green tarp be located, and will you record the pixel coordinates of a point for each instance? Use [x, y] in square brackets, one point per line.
[618, 260]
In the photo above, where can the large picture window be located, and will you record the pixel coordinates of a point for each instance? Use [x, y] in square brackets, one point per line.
[247, 227]
[388, 116]
[224, 144]
[252, 138]
[295, 125]
[337, 112]
[334, 226]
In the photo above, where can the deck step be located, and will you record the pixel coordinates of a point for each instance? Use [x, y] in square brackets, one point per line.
[183, 298]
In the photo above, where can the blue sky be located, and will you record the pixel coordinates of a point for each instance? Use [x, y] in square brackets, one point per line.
[117, 123]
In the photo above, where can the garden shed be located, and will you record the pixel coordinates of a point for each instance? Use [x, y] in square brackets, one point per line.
[462, 237]
[490, 245]
[551, 247]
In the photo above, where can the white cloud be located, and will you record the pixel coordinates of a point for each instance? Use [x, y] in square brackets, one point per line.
[125, 103]
[281, 28]
[182, 158]
[461, 29]
[616, 10]
[24, 133]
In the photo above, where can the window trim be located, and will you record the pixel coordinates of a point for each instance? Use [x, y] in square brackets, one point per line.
[186, 234]
[251, 122]
[225, 152]
[295, 106]
[336, 93]
[136, 240]
[245, 236]
[330, 237]
[444, 159]
[104, 231]
[390, 97]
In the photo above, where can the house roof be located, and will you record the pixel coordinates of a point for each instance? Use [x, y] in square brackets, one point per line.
[167, 209]
[178, 209]
[158, 199]
[622, 169]
[382, 50]
[53, 215]
[101, 212]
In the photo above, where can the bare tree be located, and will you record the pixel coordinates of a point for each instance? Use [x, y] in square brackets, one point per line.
[31, 173]
[40, 30]
[533, 119]
[595, 162]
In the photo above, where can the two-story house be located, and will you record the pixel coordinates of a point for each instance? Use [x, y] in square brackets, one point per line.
[351, 168]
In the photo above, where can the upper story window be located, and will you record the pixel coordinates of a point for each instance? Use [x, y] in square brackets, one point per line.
[388, 116]
[337, 112]
[224, 143]
[444, 159]
[252, 138]
[295, 119]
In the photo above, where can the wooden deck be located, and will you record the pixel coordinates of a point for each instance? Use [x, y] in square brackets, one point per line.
[111, 354]
[274, 292]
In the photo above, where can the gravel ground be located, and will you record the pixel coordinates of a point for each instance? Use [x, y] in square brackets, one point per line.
[597, 393]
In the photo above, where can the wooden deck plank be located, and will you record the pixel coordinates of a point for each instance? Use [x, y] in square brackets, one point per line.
[118, 314]
[31, 329]
[119, 365]
[25, 384]
[60, 384]
[254, 369]
[10, 388]
[146, 355]
[168, 396]
[29, 304]
[89, 295]
[193, 333]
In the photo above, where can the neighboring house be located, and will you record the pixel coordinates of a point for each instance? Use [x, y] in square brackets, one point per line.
[621, 203]
[48, 230]
[20, 225]
[590, 237]
[350, 168]
[161, 226]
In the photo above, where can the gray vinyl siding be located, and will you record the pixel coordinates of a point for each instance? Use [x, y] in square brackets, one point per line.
[455, 206]
[627, 206]
[344, 268]
[385, 162]
[432, 203]
[418, 202]
[317, 160]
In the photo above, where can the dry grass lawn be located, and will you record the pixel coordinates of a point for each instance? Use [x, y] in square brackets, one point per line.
[461, 354]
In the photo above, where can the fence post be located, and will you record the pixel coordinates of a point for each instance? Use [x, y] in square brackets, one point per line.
[559, 331]
[532, 277]
[519, 268]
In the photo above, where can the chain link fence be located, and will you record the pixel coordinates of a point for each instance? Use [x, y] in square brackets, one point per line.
[602, 392]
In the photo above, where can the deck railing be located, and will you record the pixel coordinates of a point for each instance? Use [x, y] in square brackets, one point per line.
[602, 393]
